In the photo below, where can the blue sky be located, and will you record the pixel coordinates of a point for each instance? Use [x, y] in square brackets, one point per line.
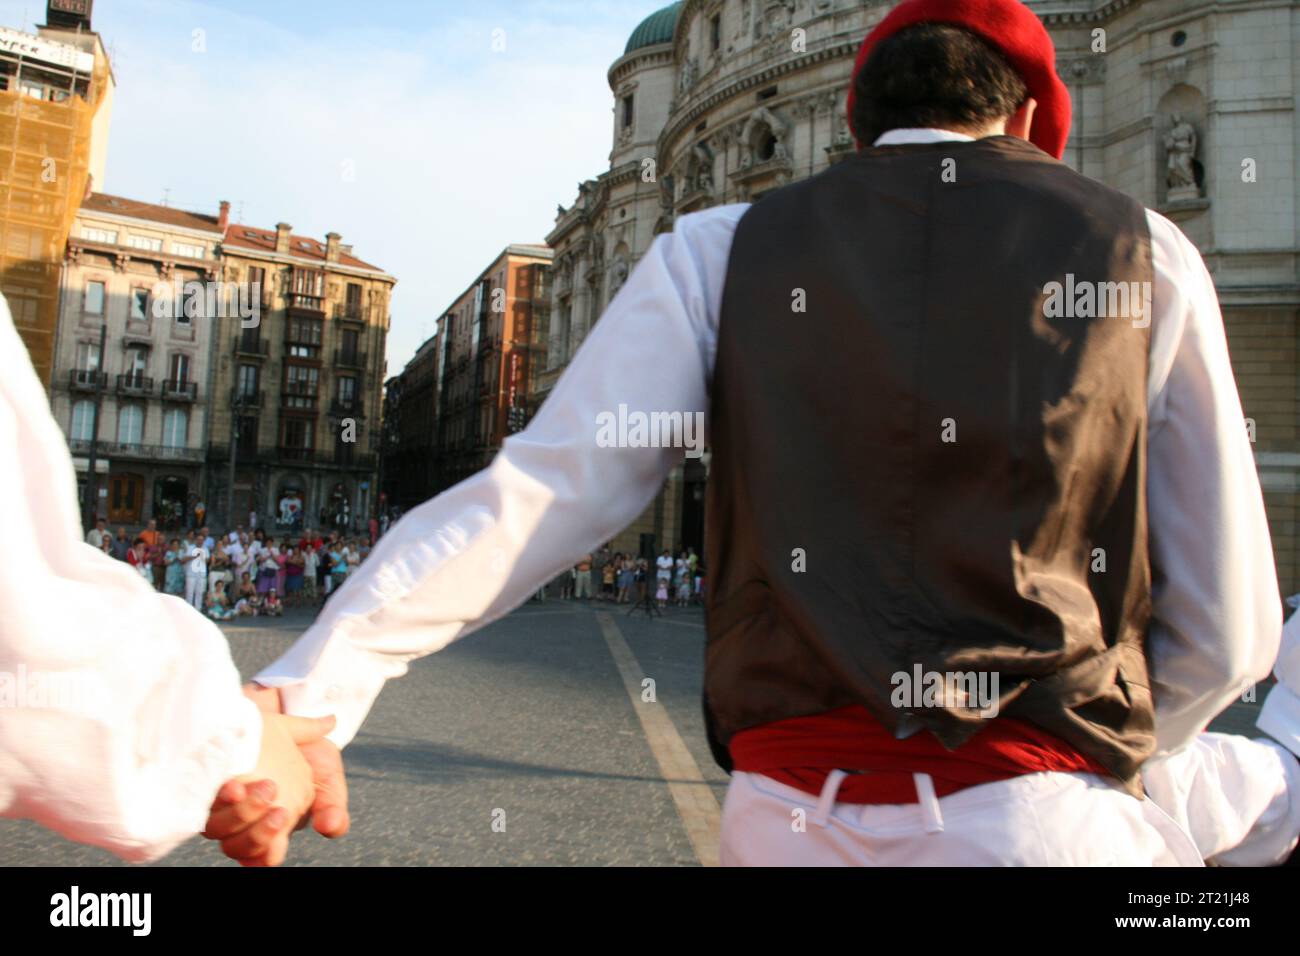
[454, 149]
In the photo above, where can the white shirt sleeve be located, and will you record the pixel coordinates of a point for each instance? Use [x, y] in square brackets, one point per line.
[478, 550]
[1216, 611]
[120, 709]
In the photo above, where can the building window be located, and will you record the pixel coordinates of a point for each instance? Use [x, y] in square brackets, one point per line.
[193, 305]
[257, 289]
[130, 425]
[87, 356]
[347, 390]
[147, 243]
[139, 305]
[187, 250]
[136, 360]
[83, 420]
[297, 433]
[715, 33]
[176, 424]
[353, 307]
[99, 235]
[300, 386]
[178, 373]
[627, 111]
[248, 381]
[94, 298]
[304, 337]
[350, 342]
[309, 282]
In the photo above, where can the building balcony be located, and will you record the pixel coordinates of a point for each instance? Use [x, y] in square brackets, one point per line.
[251, 346]
[345, 408]
[298, 302]
[349, 358]
[246, 399]
[131, 384]
[294, 397]
[86, 380]
[175, 391]
[136, 452]
[351, 312]
[348, 456]
[296, 454]
[304, 351]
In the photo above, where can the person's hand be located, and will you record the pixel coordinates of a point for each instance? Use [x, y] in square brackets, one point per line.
[329, 809]
[264, 804]
[244, 808]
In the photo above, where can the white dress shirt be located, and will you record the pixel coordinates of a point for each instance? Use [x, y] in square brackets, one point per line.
[120, 709]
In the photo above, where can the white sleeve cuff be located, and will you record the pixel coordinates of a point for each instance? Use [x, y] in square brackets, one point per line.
[343, 682]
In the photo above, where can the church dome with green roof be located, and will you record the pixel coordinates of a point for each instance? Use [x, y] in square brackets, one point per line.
[654, 29]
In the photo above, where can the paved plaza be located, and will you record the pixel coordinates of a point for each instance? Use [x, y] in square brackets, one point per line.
[538, 723]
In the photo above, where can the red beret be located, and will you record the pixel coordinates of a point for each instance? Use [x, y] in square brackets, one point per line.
[1016, 32]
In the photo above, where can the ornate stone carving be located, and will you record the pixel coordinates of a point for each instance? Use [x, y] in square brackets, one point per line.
[1084, 70]
[689, 74]
[777, 17]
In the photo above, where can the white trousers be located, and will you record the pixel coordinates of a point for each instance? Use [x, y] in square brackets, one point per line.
[194, 584]
[1225, 798]
[1041, 819]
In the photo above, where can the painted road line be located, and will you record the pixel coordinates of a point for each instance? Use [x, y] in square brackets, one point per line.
[696, 804]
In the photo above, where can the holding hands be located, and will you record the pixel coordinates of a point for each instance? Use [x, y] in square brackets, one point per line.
[299, 777]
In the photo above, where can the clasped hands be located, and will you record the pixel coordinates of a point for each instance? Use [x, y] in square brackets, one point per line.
[299, 777]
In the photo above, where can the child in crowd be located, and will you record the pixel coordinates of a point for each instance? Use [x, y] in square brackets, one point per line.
[219, 608]
[272, 606]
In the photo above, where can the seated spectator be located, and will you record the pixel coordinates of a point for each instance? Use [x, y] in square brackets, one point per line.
[250, 602]
[272, 606]
[219, 608]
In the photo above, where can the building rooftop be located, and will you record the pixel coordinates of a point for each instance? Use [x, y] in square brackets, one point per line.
[133, 208]
[654, 29]
[240, 236]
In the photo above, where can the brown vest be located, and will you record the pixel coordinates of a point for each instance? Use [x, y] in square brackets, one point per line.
[926, 459]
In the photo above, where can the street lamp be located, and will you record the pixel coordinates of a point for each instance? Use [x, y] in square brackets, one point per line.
[237, 405]
[99, 378]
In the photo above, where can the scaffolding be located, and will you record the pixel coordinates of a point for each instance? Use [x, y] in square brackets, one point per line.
[47, 112]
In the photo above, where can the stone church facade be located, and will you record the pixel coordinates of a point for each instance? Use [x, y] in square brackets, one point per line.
[1187, 105]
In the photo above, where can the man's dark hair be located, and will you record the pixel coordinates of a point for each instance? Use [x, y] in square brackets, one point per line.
[933, 75]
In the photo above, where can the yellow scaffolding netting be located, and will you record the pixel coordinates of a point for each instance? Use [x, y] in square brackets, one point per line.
[44, 163]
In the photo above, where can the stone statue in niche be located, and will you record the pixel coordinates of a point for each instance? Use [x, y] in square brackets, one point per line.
[1180, 152]
[617, 275]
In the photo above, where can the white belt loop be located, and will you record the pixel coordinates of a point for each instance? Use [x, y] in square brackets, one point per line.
[825, 802]
[929, 802]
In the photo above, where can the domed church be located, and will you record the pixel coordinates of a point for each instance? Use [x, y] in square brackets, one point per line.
[1186, 105]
